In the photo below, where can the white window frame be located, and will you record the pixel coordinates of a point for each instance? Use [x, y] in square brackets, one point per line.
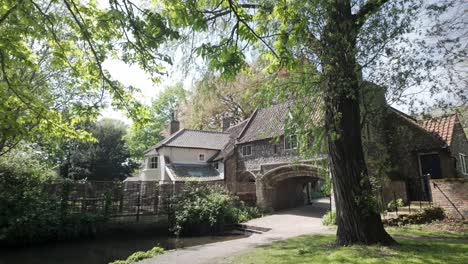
[289, 137]
[244, 150]
[152, 164]
[463, 163]
[201, 157]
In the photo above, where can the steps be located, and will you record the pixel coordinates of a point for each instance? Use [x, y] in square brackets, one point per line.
[252, 229]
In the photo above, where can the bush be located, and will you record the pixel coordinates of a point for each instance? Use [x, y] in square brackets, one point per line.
[329, 218]
[394, 204]
[28, 214]
[428, 215]
[201, 209]
[140, 255]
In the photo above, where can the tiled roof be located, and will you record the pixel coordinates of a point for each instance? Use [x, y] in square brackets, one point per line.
[195, 172]
[441, 127]
[270, 122]
[187, 138]
[234, 132]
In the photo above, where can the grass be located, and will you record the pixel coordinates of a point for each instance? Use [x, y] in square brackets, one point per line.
[447, 248]
[437, 229]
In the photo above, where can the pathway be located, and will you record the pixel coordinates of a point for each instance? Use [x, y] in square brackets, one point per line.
[283, 224]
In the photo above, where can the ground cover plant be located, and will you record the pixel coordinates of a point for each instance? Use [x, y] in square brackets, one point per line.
[428, 215]
[140, 255]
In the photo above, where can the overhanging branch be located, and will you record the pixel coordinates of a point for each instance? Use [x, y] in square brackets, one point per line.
[369, 8]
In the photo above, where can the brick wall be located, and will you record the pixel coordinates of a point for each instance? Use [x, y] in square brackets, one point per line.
[451, 195]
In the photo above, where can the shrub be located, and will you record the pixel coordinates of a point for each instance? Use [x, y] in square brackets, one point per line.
[140, 255]
[329, 218]
[428, 215]
[394, 204]
[28, 214]
[200, 209]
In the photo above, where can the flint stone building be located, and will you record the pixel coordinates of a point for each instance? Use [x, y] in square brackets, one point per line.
[259, 162]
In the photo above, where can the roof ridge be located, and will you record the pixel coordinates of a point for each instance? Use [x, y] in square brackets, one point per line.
[207, 131]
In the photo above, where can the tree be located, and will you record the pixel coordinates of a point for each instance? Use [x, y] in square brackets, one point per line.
[339, 39]
[51, 63]
[141, 137]
[214, 98]
[106, 159]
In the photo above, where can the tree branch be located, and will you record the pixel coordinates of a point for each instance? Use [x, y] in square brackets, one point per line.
[369, 8]
[5, 16]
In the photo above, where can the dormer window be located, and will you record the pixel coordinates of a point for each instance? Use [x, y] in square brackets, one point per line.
[201, 157]
[290, 142]
[153, 162]
[246, 150]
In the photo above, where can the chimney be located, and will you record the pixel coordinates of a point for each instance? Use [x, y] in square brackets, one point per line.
[226, 122]
[173, 126]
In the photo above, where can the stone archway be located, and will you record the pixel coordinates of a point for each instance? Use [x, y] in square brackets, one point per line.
[284, 180]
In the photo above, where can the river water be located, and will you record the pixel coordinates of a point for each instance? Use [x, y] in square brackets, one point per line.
[117, 243]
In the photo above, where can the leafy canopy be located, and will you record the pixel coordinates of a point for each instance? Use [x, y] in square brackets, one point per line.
[51, 56]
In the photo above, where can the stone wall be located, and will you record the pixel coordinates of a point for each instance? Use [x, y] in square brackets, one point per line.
[406, 140]
[451, 195]
[459, 145]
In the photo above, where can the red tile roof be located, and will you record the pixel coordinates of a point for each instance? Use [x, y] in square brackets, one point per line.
[442, 127]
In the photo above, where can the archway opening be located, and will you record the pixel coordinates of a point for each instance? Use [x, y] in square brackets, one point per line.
[286, 186]
[293, 192]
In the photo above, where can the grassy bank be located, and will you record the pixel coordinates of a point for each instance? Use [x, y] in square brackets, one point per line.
[417, 244]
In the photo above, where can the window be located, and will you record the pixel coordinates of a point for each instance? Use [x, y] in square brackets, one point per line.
[463, 163]
[247, 150]
[215, 165]
[201, 157]
[275, 149]
[153, 162]
[290, 142]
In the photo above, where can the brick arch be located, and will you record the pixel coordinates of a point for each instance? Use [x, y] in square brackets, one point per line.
[272, 177]
[267, 185]
[246, 176]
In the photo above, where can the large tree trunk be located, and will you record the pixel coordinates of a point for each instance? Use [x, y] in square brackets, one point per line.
[358, 220]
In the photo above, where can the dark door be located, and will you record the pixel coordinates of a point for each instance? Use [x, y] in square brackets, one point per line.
[430, 164]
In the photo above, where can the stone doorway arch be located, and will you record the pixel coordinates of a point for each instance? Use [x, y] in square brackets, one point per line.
[281, 186]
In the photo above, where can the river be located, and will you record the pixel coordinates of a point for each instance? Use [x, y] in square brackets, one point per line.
[117, 243]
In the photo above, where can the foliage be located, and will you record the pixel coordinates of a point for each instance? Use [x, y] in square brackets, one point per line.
[215, 97]
[140, 255]
[320, 249]
[106, 159]
[200, 209]
[394, 204]
[29, 214]
[329, 218]
[139, 137]
[51, 63]
[428, 215]
[326, 187]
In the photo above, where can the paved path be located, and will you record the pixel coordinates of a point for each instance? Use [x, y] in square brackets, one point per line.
[284, 224]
